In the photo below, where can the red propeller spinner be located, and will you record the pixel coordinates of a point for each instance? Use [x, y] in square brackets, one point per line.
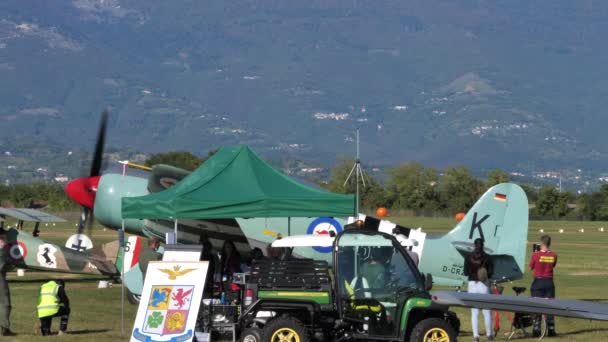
[83, 190]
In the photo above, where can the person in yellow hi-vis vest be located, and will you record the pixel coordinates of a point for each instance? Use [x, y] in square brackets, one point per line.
[53, 302]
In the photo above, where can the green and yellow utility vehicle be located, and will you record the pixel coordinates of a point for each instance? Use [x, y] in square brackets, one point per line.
[374, 291]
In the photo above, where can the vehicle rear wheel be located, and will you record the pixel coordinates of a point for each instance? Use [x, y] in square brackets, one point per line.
[285, 329]
[433, 330]
[251, 335]
[133, 298]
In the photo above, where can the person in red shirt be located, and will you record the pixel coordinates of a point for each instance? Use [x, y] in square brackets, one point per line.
[542, 263]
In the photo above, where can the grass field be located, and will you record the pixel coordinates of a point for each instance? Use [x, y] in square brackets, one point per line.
[582, 273]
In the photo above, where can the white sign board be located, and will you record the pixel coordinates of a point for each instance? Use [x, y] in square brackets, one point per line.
[182, 253]
[170, 301]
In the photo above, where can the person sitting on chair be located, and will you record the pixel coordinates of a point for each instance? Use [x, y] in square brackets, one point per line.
[374, 271]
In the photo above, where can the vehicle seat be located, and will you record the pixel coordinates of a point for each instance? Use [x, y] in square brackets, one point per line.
[364, 304]
[519, 290]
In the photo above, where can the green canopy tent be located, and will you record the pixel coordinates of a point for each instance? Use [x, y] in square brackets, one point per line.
[235, 182]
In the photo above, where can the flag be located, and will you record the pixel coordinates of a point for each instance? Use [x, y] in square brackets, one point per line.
[500, 197]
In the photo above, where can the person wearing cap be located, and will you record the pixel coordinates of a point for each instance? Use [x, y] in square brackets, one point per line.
[478, 267]
[542, 262]
[53, 302]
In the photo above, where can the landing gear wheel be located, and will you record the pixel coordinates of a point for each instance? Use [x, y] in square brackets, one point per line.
[251, 335]
[285, 329]
[132, 297]
[433, 330]
[544, 327]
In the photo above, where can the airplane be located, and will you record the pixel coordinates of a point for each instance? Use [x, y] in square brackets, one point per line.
[500, 217]
[29, 251]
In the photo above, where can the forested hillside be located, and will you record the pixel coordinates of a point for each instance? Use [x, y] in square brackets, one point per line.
[513, 84]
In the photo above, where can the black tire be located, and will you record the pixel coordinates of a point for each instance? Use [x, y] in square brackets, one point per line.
[433, 329]
[133, 298]
[544, 327]
[454, 321]
[251, 335]
[285, 325]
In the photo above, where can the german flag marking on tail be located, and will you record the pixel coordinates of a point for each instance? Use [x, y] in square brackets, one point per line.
[500, 197]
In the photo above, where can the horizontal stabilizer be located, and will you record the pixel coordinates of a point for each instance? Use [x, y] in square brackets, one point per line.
[557, 307]
[466, 248]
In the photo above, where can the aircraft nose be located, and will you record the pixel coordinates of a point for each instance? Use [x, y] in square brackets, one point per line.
[83, 190]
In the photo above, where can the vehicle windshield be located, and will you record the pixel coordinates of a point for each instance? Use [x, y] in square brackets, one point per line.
[376, 260]
[374, 277]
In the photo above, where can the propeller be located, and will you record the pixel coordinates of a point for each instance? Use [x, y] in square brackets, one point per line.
[83, 190]
[101, 137]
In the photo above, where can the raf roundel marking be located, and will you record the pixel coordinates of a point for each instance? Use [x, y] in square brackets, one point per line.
[322, 226]
[18, 251]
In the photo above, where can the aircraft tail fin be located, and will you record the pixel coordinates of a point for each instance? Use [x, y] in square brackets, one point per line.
[500, 217]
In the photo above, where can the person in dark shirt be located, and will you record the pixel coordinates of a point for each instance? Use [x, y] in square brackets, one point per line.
[207, 255]
[5, 295]
[542, 263]
[478, 267]
[374, 271]
[230, 264]
[149, 254]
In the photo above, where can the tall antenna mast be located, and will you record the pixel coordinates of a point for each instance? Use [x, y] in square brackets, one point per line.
[358, 174]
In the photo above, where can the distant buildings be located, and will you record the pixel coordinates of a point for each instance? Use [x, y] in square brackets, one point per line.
[61, 178]
[331, 116]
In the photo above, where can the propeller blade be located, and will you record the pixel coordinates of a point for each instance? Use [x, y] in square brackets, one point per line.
[90, 219]
[101, 136]
[84, 213]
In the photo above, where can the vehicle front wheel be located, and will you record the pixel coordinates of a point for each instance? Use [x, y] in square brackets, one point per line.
[433, 330]
[285, 329]
[251, 335]
[454, 321]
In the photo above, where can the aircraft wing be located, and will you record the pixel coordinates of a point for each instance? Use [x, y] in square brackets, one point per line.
[557, 307]
[32, 215]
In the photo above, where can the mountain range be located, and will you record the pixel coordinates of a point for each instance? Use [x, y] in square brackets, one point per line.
[518, 84]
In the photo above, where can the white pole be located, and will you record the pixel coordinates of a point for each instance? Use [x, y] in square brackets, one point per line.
[357, 176]
[175, 231]
[122, 279]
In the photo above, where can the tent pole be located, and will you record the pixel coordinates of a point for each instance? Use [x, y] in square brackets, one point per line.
[121, 242]
[175, 231]
[289, 226]
[357, 163]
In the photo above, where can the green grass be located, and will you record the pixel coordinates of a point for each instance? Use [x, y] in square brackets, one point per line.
[582, 273]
